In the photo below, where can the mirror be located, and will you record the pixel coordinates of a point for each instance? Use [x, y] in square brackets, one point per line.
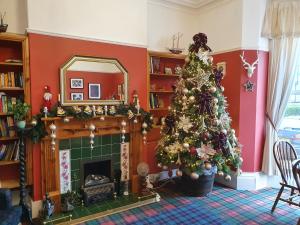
[93, 81]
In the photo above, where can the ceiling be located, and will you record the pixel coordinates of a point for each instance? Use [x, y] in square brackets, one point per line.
[191, 3]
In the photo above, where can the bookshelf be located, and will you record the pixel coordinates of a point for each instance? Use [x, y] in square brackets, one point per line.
[14, 84]
[162, 78]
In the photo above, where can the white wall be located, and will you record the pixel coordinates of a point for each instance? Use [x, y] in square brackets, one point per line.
[164, 21]
[223, 25]
[253, 16]
[16, 15]
[117, 21]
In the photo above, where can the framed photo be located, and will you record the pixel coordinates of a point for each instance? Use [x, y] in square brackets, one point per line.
[77, 96]
[76, 83]
[94, 91]
[168, 71]
[222, 66]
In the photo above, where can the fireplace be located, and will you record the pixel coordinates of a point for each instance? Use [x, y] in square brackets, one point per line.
[95, 172]
[96, 180]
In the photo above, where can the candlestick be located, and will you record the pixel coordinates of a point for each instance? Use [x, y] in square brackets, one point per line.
[58, 97]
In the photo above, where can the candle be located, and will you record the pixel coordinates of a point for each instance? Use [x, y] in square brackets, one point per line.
[58, 98]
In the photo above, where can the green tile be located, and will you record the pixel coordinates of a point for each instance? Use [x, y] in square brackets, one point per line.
[64, 144]
[98, 140]
[116, 138]
[106, 139]
[97, 158]
[115, 148]
[106, 150]
[116, 166]
[127, 137]
[116, 158]
[86, 152]
[96, 151]
[76, 142]
[105, 157]
[76, 153]
[75, 174]
[75, 164]
[85, 142]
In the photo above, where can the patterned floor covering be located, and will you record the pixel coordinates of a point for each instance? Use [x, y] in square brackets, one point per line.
[223, 207]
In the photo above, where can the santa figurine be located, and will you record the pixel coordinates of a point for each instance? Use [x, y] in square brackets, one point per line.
[47, 98]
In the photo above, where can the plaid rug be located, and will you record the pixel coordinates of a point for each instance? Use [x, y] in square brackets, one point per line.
[224, 206]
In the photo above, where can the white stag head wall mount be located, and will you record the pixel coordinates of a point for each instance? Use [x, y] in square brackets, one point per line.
[249, 67]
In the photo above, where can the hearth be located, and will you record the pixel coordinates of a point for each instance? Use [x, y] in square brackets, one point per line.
[96, 180]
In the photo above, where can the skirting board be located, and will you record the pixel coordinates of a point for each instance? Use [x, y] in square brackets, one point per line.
[245, 181]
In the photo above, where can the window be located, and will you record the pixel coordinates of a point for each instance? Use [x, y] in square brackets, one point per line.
[290, 126]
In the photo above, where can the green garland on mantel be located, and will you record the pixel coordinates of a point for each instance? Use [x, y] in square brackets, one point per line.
[39, 130]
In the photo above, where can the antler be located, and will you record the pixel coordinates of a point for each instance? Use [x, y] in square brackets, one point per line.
[256, 61]
[245, 64]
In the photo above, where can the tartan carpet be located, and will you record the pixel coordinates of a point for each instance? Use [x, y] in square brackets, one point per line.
[224, 206]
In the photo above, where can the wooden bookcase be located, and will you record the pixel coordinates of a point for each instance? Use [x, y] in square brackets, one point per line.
[14, 84]
[161, 78]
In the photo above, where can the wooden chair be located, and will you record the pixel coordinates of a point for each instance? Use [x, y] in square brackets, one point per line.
[285, 154]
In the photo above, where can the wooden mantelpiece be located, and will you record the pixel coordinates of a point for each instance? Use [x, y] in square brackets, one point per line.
[80, 128]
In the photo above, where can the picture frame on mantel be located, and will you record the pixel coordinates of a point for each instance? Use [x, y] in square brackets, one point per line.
[77, 96]
[94, 91]
[76, 83]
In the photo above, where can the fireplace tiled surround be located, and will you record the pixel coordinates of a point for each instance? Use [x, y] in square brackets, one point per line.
[105, 147]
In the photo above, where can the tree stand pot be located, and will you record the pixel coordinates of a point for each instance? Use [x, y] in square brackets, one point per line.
[200, 187]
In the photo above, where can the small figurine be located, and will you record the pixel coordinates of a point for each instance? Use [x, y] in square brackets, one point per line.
[130, 114]
[48, 206]
[94, 110]
[105, 110]
[87, 110]
[45, 111]
[47, 98]
[112, 110]
[77, 109]
[99, 110]
[60, 111]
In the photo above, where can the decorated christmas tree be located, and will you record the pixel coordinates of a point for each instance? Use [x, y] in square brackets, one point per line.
[197, 138]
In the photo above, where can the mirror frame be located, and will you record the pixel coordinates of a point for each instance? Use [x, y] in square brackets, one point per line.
[64, 68]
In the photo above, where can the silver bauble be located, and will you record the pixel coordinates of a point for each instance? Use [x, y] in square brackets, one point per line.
[52, 127]
[222, 88]
[92, 135]
[187, 59]
[144, 132]
[184, 98]
[135, 120]
[186, 145]
[228, 177]
[159, 165]
[53, 136]
[233, 131]
[123, 123]
[102, 118]
[194, 176]
[66, 120]
[92, 127]
[207, 165]
[216, 100]
[179, 173]
[185, 91]
[224, 131]
[220, 173]
[213, 89]
[192, 98]
[144, 125]
[91, 142]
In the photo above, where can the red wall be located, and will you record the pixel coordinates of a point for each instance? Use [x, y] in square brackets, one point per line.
[247, 109]
[48, 53]
[108, 83]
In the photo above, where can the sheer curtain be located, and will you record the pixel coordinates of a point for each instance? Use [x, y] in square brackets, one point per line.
[282, 28]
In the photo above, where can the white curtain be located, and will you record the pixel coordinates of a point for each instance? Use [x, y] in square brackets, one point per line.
[282, 27]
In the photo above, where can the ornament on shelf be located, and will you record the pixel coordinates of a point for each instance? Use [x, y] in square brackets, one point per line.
[130, 114]
[94, 110]
[53, 135]
[123, 130]
[105, 110]
[136, 102]
[87, 110]
[135, 120]
[176, 38]
[45, 111]
[249, 86]
[77, 109]
[92, 135]
[112, 110]
[47, 98]
[3, 27]
[99, 110]
[102, 118]
[60, 111]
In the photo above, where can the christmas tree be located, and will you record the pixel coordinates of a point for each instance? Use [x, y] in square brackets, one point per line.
[196, 134]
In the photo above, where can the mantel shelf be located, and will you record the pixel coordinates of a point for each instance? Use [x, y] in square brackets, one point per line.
[73, 131]
[71, 117]
[162, 75]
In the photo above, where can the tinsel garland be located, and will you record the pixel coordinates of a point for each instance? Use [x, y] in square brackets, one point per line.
[39, 130]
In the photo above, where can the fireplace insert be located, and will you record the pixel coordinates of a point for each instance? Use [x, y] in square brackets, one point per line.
[96, 180]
